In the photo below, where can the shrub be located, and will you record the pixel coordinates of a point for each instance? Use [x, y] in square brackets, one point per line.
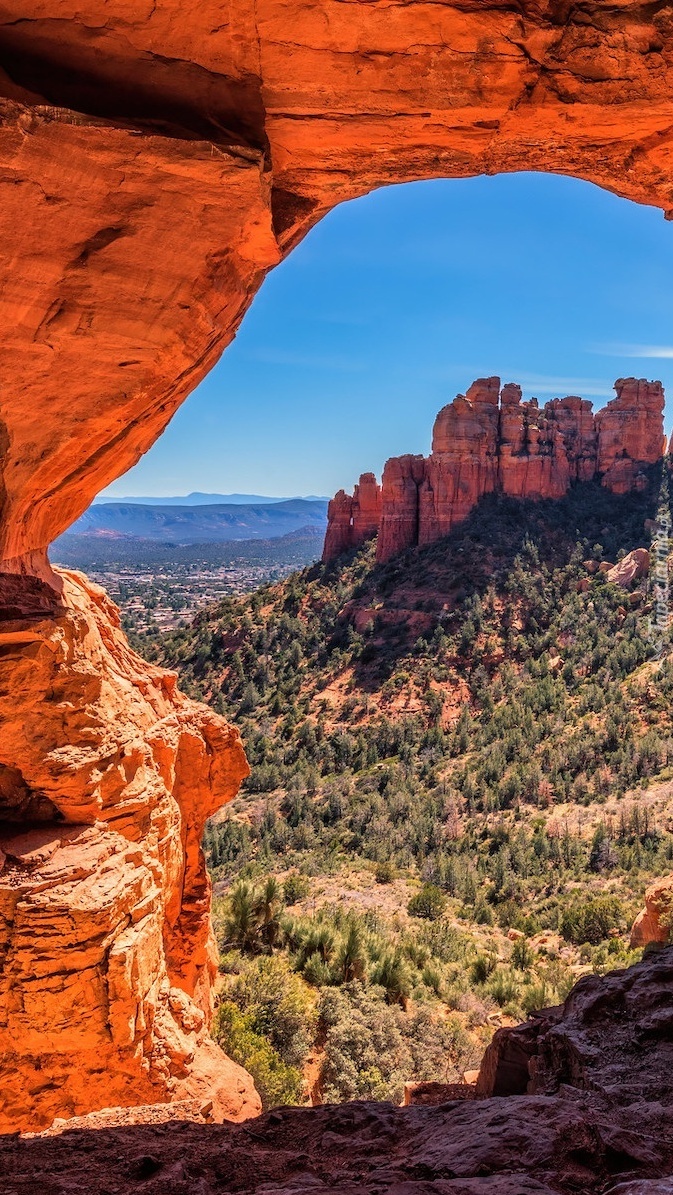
[592, 920]
[537, 996]
[483, 966]
[432, 978]
[252, 916]
[392, 974]
[503, 988]
[366, 1056]
[385, 872]
[429, 903]
[295, 888]
[276, 1082]
[522, 955]
[277, 1005]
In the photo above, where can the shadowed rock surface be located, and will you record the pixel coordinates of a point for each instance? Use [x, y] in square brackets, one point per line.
[604, 1123]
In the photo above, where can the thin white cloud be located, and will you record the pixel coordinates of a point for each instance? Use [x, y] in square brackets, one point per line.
[532, 383]
[306, 361]
[561, 386]
[662, 352]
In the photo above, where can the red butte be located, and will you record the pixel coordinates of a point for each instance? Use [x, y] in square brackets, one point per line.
[489, 440]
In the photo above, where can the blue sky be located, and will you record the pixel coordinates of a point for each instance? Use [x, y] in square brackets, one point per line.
[395, 303]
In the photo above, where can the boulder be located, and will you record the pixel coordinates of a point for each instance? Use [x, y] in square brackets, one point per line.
[655, 922]
[632, 567]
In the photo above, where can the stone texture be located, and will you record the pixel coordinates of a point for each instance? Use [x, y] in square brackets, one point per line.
[402, 478]
[633, 567]
[612, 1035]
[339, 533]
[654, 923]
[487, 440]
[604, 1123]
[106, 951]
[463, 463]
[366, 509]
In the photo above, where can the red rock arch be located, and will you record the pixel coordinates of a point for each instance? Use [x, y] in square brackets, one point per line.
[154, 167]
[155, 161]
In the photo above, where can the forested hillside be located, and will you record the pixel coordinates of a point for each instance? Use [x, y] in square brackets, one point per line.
[461, 783]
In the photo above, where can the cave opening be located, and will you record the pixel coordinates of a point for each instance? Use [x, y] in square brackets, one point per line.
[519, 811]
[127, 208]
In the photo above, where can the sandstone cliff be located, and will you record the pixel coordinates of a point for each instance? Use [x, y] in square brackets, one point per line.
[352, 519]
[106, 951]
[488, 439]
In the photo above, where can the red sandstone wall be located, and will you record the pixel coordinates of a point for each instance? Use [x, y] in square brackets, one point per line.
[107, 955]
[490, 440]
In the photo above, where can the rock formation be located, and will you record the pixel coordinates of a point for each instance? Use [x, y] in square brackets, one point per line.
[487, 440]
[569, 1044]
[106, 950]
[654, 923]
[629, 430]
[584, 1104]
[351, 520]
[402, 478]
[153, 168]
[633, 567]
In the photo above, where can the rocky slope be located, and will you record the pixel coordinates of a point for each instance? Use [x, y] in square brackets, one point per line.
[577, 1100]
[489, 440]
[106, 955]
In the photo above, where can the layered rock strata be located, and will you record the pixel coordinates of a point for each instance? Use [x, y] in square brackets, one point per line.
[106, 951]
[490, 440]
[584, 1103]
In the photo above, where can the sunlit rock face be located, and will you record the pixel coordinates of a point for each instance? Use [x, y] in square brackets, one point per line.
[353, 518]
[489, 440]
[106, 949]
[630, 430]
[654, 923]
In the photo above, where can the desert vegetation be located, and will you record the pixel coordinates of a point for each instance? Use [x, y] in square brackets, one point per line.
[462, 768]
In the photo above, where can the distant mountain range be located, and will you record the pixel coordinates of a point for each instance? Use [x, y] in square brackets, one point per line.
[200, 522]
[196, 498]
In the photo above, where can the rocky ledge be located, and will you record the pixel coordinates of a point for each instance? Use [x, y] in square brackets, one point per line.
[579, 1099]
[489, 440]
